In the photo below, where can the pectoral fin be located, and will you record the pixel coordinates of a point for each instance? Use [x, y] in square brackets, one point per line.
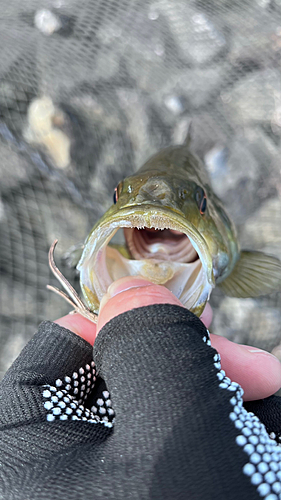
[254, 274]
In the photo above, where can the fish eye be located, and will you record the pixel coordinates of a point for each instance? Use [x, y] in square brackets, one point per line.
[117, 192]
[201, 200]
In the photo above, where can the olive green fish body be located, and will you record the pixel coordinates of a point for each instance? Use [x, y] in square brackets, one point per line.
[177, 234]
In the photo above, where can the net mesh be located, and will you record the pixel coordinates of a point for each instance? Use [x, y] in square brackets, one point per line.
[89, 90]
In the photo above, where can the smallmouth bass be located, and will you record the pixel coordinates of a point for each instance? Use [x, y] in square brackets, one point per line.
[177, 234]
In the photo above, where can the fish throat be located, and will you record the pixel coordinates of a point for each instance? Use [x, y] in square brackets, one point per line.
[165, 244]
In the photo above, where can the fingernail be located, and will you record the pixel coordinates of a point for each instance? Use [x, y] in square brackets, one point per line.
[126, 283]
[255, 350]
[123, 284]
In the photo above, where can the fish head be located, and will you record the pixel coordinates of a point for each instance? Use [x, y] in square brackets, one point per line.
[176, 232]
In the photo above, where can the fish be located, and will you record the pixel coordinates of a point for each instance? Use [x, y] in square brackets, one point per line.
[176, 233]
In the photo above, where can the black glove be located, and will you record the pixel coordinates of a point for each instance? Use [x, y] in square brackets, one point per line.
[180, 430]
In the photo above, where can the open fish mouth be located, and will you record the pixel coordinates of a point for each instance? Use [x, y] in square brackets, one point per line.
[162, 246]
[165, 244]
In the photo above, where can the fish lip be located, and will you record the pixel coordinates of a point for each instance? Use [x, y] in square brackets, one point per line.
[136, 217]
[94, 275]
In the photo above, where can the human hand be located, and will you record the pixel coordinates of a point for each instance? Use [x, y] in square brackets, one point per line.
[146, 413]
[258, 372]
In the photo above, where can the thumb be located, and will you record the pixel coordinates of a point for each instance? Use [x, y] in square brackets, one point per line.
[124, 294]
[128, 293]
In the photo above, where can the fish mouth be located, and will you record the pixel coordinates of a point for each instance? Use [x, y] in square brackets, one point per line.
[162, 246]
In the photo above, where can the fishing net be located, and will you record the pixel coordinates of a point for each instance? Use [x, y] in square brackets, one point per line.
[89, 89]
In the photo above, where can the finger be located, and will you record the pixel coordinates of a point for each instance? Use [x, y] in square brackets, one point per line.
[79, 325]
[207, 315]
[258, 372]
[87, 330]
[128, 293]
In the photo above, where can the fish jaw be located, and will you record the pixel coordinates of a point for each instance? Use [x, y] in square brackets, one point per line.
[100, 264]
